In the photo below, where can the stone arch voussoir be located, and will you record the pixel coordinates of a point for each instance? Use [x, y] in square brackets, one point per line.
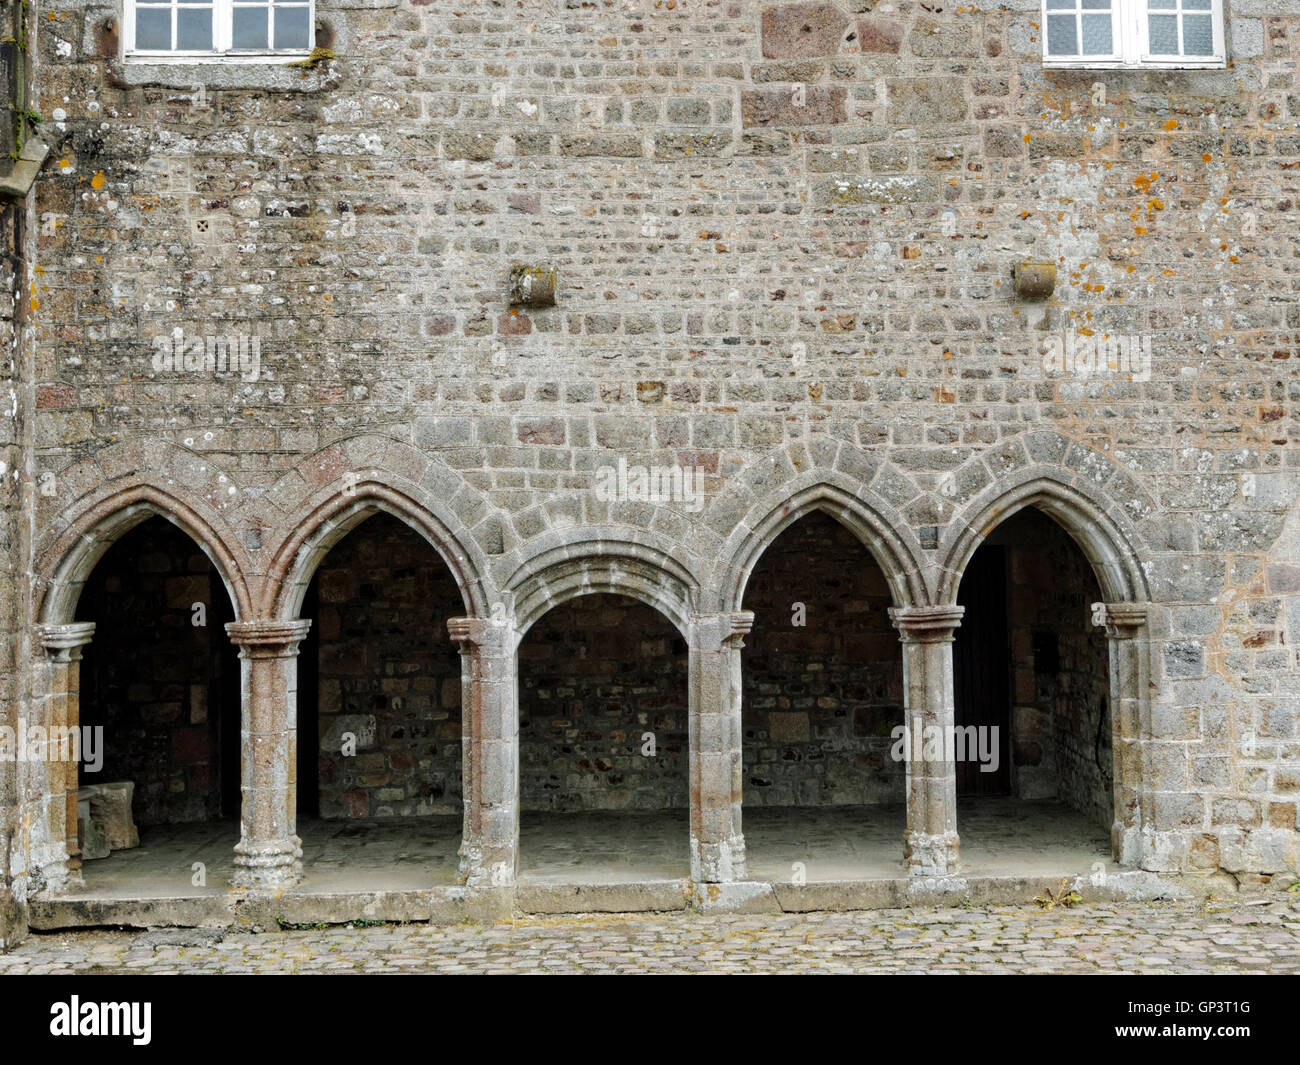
[75, 538]
[336, 489]
[612, 560]
[865, 493]
[1075, 498]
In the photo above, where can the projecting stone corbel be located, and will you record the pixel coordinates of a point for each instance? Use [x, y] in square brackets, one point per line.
[19, 182]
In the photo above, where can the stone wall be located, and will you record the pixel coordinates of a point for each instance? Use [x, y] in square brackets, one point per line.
[603, 709]
[163, 689]
[16, 510]
[388, 674]
[15, 564]
[822, 684]
[784, 259]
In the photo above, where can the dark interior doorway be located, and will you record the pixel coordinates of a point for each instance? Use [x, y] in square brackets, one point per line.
[308, 708]
[981, 667]
[225, 674]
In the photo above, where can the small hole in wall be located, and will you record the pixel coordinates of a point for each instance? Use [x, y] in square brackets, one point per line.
[106, 39]
[324, 35]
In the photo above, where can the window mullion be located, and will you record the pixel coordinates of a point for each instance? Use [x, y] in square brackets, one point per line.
[221, 25]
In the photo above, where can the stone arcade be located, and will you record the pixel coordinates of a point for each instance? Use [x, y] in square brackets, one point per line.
[370, 632]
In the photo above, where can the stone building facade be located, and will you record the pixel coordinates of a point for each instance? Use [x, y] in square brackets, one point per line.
[265, 303]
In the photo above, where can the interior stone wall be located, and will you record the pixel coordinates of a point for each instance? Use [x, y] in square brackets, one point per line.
[389, 676]
[822, 684]
[603, 709]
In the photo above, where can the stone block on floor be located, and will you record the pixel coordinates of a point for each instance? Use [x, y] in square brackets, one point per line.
[109, 806]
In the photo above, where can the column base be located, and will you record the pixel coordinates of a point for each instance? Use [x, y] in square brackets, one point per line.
[266, 865]
[480, 868]
[718, 863]
[60, 877]
[932, 855]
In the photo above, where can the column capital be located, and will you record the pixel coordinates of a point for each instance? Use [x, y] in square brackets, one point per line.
[721, 632]
[926, 624]
[63, 643]
[1123, 621]
[266, 638]
[483, 633]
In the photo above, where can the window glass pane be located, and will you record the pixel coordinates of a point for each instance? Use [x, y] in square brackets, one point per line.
[1060, 5]
[1196, 5]
[291, 29]
[1096, 35]
[250, 28]
[153, 28]
[1096, 5]
[194, 29]
[1061, 36]
[1164, 34]
[1198, 35]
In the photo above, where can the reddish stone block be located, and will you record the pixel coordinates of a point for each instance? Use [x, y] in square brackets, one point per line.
[803, 31]
[515, 324]
[880, 35]
[49, 397]
[525, 202]
[549, 432]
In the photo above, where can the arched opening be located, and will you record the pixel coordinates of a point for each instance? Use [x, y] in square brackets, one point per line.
[604, 786]
[822, 698]
[379, 713]
[159, 711]
[1032, 696]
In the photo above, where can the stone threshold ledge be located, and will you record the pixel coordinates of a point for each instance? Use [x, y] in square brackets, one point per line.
[449, 905]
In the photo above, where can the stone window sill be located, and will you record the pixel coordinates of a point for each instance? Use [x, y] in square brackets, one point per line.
[222, 72]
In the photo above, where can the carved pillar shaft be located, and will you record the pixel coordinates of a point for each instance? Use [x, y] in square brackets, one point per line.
[269, 853]
[489, 850]
[54, 769]
[927, 634]
[716, 768]
[1126, 628]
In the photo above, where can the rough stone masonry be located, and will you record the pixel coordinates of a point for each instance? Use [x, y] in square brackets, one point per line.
[784, 238]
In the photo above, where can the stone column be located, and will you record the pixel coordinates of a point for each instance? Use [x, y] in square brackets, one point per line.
[269, 853]
[57, 774]
[927, 634]
[1130, 720]
[489, 848]
[716, 768]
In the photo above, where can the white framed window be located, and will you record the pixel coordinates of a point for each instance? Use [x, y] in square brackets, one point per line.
[194, 29]
[1133, 33]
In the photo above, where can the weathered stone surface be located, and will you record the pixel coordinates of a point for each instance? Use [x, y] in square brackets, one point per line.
[813, 105]
[880, 34]
[802, 31]
[110, 805]
[92, 836]
[786, 259]
[925, 101]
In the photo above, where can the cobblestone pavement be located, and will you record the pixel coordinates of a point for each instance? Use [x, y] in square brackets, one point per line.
[1228, 937]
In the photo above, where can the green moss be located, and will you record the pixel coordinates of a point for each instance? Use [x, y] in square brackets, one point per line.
[318, 56]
